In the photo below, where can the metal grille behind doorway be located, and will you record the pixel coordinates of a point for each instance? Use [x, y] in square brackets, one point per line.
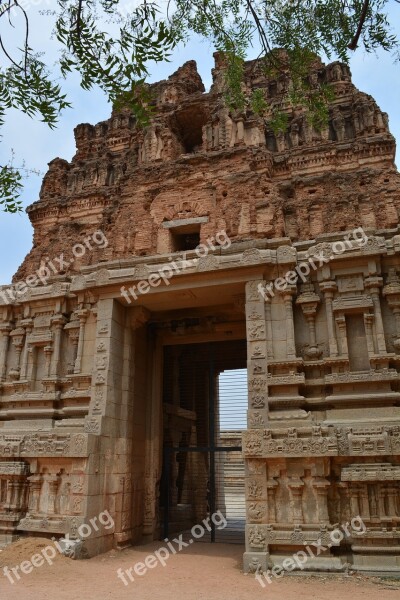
[205, 402]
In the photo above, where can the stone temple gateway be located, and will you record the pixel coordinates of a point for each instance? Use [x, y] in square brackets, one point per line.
[84, 415]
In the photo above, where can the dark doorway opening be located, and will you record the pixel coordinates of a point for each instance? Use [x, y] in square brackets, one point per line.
[204, 404]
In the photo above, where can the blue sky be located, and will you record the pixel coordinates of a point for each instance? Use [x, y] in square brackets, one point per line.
[37, 145]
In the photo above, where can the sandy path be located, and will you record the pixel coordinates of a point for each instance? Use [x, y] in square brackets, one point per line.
[202, 571]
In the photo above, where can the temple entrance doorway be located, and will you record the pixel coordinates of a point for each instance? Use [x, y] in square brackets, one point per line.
[204, 414]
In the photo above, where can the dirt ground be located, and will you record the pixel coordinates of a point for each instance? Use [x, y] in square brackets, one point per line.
[201, 571]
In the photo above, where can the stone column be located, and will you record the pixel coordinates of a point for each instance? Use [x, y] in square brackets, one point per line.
[329, 288]
[321, 486]
[28, 324]
[35, 486]
[83, 315]
[53, 481]
[32, 362]
[341, 323]
[271, 489]
[391, 492]
[296, 485]
[17, 494]
[364, 502]
[9, 495]
[345, 512]
[373, 284]
[354, 504]
[381, 500]
[270, 340]
[309, 301]
[58, 322]
[23, 495]
[48, 351]
[12, 484]
[256, 490]
[17, 336]
[369, 320]
[256, 350]
[290, 340]
[73, 330]
[5, 329]
[373, 507]
[309, 314]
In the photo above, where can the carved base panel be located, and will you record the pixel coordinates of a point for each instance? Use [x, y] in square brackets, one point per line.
[13, 498]
[306, 507]
[8, 527]
[43, 495]
[298, 562]
[58, 524]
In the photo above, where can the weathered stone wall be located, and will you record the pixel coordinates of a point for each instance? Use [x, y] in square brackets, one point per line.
[197, 159]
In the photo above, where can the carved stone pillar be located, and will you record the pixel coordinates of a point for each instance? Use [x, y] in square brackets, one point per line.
[296, 485]
[17, 494]
[290, 341]
[271, 489]
[28, 324]
[329, 288]
[17, 336]
[309, 301]
[57, 322]
[260, 505]
[381, 500]
[373, 284]
[369, 321]
[345, 511]
[257, 350]
[373, 505]
[341, 323]
[83, 315]
[391, 494]
[12, 485]
[270, 341]
[53, 481]
[9, 495]
[35, 486]
[364, 502]
[48, 351]
[321, 486]
[73, 330]
[5, 329]
[354, 504]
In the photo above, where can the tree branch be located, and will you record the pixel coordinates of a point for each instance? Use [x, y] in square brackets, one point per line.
[354, 42]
